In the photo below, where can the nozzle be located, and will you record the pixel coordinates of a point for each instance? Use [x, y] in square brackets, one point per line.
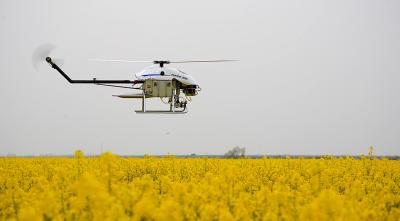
[48, 59]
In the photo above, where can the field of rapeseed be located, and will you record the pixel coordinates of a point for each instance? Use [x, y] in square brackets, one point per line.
[115, 188]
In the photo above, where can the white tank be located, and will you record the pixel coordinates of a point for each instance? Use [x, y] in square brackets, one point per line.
[165, 73]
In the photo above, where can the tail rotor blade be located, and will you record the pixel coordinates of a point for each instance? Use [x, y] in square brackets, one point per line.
[40, 54]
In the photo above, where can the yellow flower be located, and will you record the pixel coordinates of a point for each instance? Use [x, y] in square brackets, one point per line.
[170, 188]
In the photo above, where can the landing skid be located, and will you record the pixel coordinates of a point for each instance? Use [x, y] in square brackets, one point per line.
[160, 112]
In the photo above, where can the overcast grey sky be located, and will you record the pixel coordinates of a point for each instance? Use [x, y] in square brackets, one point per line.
[315, 77]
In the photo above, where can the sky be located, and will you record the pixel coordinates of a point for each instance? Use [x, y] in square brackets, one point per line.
[314, 76]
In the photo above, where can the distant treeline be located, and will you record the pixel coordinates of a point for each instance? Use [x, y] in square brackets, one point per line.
[224, 156]
[285, 156]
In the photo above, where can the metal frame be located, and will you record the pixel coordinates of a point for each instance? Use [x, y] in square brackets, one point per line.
[171, 110]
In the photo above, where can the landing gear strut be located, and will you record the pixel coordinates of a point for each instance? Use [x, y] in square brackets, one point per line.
[172, 90]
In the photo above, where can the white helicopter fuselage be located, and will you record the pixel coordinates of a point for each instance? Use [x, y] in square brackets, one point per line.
[165, 73]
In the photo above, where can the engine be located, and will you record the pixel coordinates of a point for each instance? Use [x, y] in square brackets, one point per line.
[191, 90]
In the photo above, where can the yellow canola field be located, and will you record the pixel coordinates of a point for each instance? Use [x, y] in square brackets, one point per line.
[115, 188]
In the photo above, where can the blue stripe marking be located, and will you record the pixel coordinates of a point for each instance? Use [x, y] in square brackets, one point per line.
[147, 75]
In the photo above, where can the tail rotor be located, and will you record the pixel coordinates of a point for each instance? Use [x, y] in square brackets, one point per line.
[41, 53]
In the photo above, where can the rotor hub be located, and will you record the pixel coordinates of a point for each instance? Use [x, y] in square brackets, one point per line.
[161, 63]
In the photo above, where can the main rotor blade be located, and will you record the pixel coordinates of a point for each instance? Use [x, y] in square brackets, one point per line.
[118, 60]
[161, 62]
[201, 61]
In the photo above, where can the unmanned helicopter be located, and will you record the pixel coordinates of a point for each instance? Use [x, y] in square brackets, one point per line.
[173, 86]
